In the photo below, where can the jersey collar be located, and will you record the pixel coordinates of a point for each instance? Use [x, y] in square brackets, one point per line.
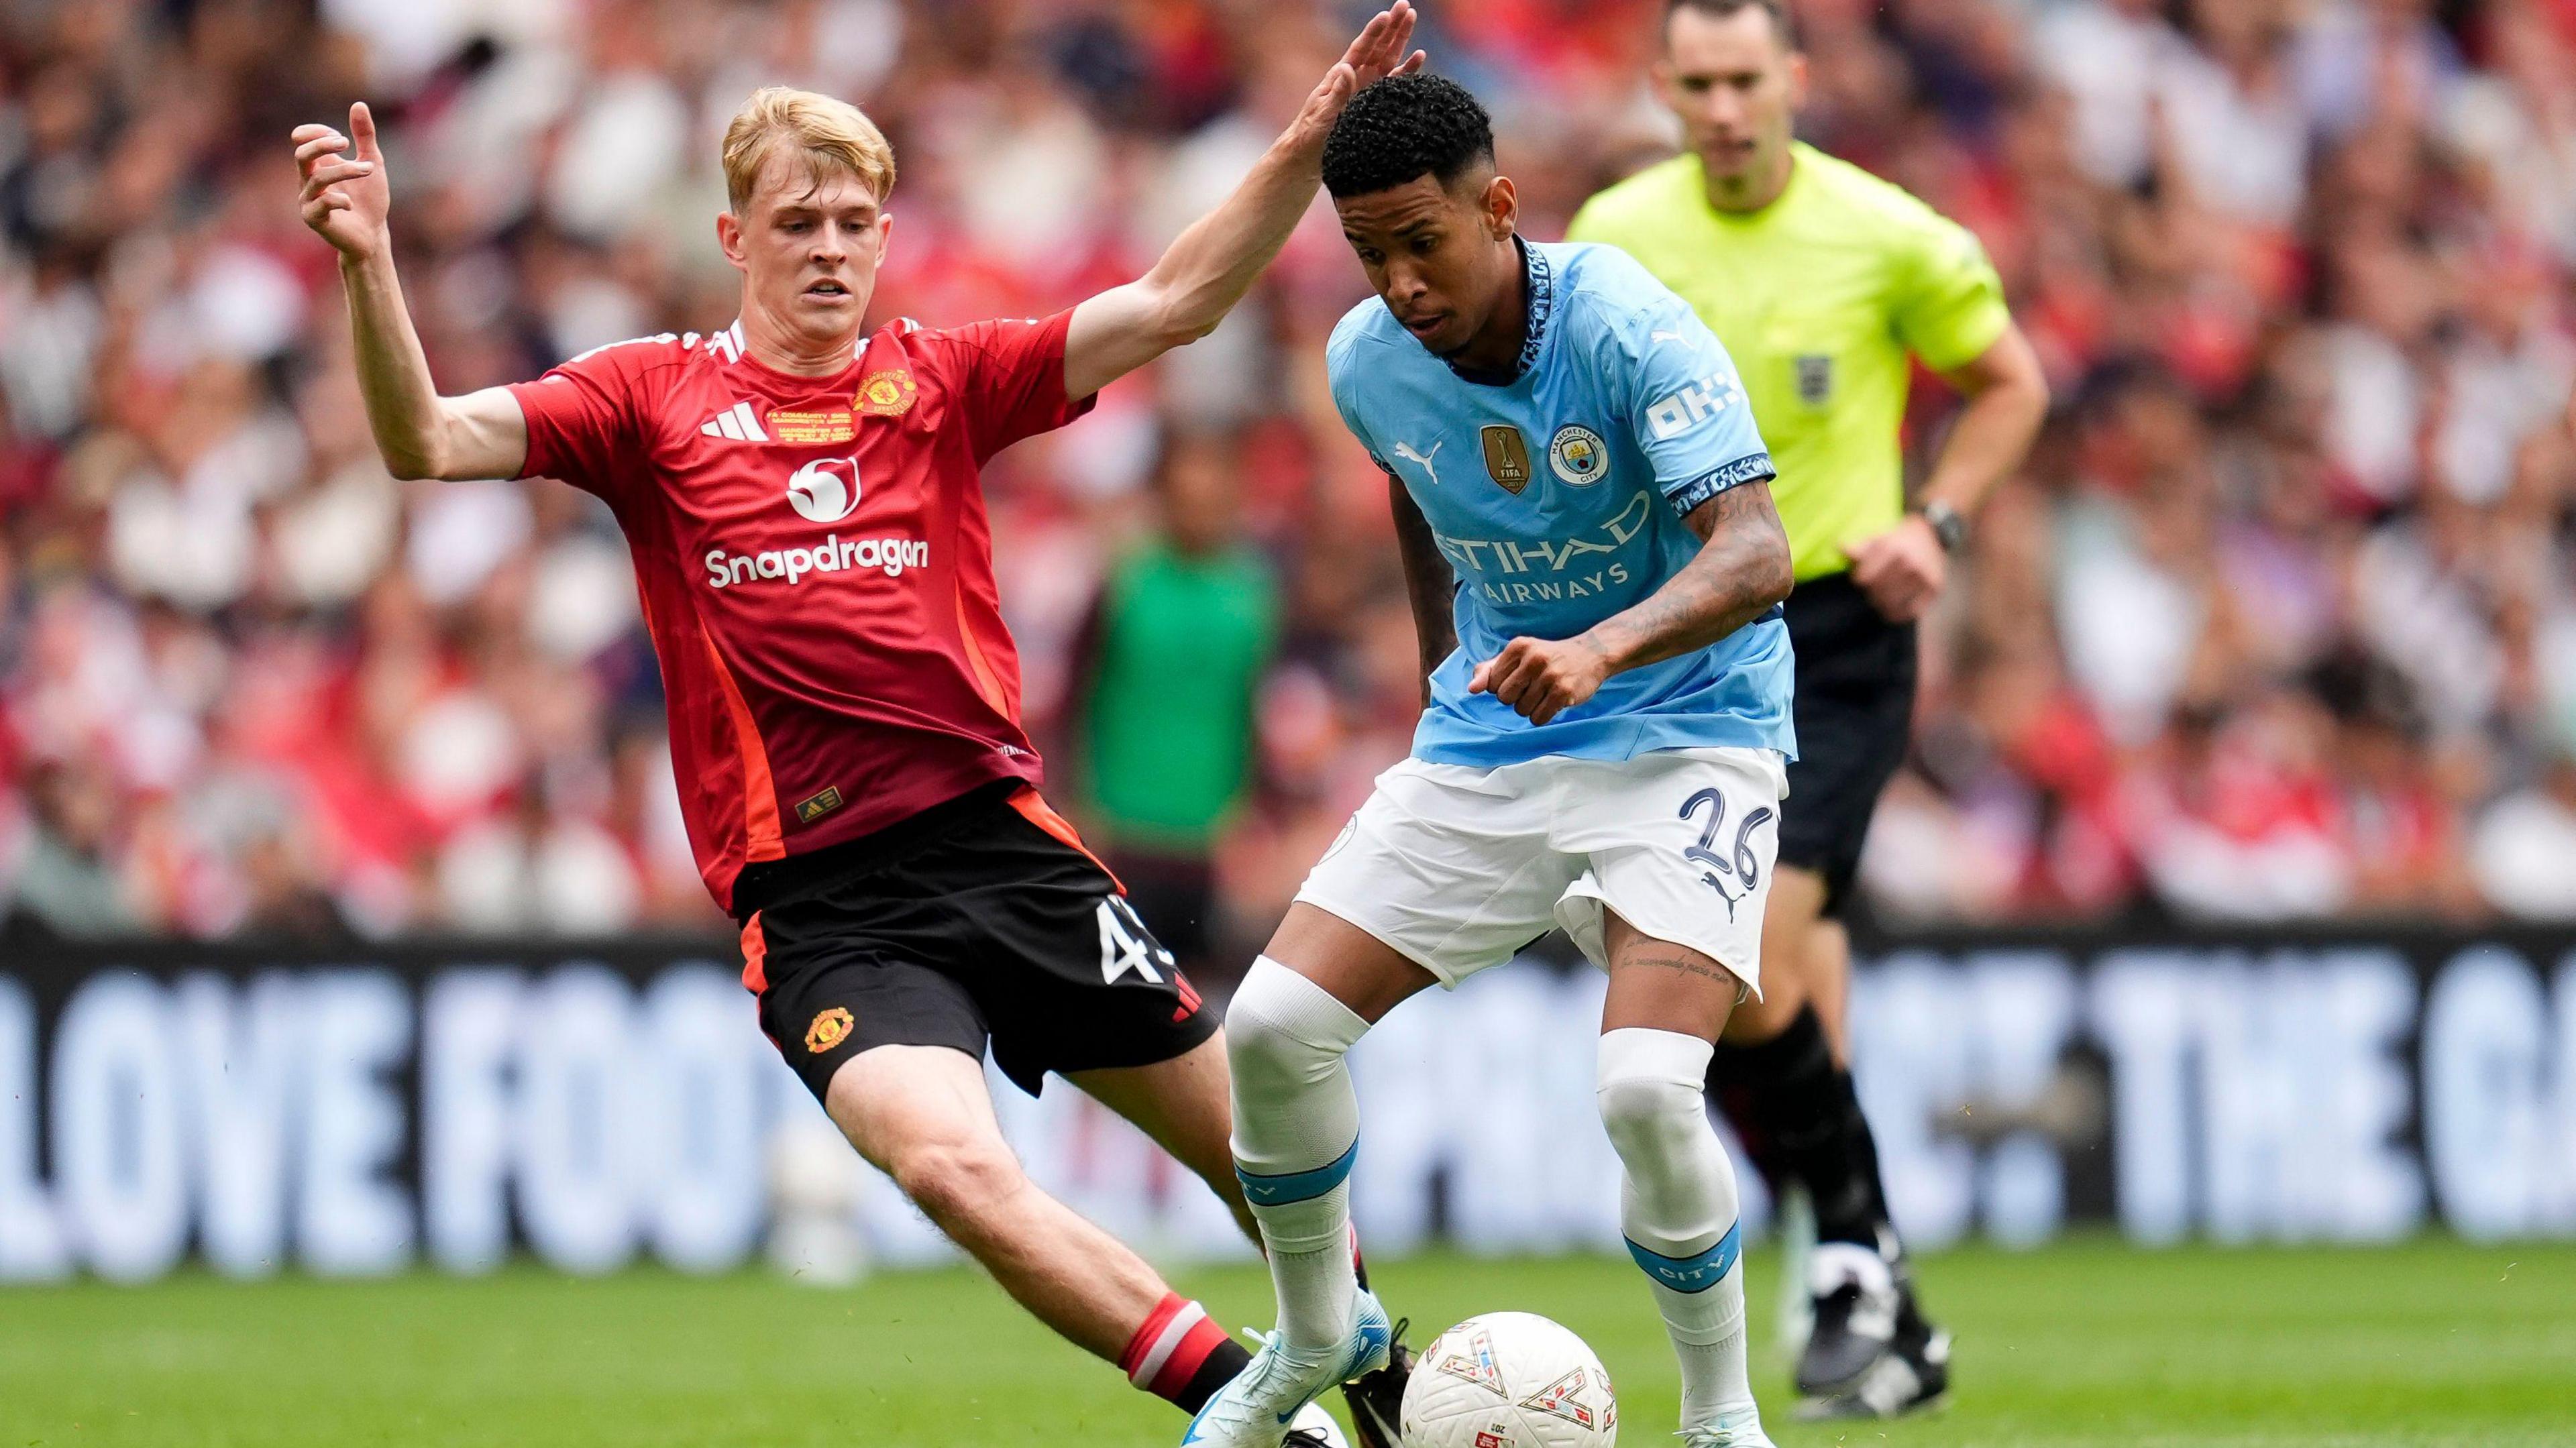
[1802, 159]
[1542, 305]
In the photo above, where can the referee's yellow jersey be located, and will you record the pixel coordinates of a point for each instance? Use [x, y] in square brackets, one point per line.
[1819, 296]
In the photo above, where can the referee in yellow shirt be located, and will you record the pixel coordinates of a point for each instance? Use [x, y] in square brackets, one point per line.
[1823, 281]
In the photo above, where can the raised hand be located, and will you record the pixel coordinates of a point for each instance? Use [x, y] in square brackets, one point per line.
[1377, 52]
[345, 198]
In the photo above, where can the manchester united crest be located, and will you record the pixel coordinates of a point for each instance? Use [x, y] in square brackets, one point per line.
[830, 1029]
[885, 394]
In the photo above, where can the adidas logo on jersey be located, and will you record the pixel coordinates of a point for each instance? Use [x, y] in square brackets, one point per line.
[735, 422]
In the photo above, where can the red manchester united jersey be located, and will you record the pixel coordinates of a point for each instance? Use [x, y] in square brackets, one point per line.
[815, 566]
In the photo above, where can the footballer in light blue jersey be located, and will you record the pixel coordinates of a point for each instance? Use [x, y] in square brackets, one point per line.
[1583, 508]
[1557, 495]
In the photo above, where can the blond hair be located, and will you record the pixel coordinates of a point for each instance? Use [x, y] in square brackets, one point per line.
[833, 134]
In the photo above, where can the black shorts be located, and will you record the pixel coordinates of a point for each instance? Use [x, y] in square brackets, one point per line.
[985, 922]
[1854, 710]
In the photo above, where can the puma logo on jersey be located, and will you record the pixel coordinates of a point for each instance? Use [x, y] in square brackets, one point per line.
[735, 422]
[1405, 451]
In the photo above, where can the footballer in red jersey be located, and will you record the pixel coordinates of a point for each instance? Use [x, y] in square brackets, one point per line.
[802, 503]
[814, 566]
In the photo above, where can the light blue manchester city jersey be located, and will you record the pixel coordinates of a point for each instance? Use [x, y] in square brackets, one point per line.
[1558, 497]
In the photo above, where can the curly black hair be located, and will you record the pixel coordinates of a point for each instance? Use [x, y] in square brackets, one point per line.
[1403, 127]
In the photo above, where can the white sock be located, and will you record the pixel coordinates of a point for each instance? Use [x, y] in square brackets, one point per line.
[1296, 1133]
[1677, 1205]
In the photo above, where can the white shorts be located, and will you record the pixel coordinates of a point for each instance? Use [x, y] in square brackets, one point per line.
[1458, 868]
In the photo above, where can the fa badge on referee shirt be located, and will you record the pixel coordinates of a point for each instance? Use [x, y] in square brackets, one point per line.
[1815, 378]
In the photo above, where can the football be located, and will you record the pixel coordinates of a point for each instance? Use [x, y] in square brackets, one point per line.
[1509, 1380]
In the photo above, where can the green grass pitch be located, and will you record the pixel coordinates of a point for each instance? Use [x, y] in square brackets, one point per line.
[2088, 1343]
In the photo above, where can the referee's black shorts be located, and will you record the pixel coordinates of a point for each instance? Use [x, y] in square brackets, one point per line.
[1854, 708]
[979, 921]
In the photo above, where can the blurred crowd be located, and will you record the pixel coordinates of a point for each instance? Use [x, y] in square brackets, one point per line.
[2277, 622]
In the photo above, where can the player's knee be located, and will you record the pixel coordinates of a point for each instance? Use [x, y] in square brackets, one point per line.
[1283, 1029]
[1649, 1118]
[1258, 1052]
[957, 1182]
[1650, 1090]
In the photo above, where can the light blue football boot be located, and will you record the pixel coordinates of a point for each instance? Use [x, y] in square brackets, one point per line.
[1731, 1430]
[1257, 1407]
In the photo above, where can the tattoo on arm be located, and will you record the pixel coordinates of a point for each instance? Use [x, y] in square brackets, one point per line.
[1429, 585]
[1742, 569]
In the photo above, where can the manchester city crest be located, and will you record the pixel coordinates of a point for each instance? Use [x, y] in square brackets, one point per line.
[1578, 455]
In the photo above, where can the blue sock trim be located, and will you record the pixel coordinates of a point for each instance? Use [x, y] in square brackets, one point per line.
[1298, 1186]
[1692, 1274]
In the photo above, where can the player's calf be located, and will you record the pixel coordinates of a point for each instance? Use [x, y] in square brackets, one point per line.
[970, 1189]
[1296, 1136]
[1678, 1209]
[921, 1114]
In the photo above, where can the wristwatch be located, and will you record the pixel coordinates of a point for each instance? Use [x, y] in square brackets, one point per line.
[1946, 525]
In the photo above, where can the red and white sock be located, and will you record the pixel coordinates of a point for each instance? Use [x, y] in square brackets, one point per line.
[1180, 1354]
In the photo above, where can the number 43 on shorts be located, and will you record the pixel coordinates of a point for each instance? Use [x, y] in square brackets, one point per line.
[1746, 868]
[1125, 944]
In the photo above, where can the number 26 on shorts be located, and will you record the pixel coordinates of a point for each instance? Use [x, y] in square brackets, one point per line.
[1746, 866]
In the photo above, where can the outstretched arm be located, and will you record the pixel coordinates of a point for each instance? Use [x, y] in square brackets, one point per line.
[1429, 584]
[421, 434]
[1209, 267]
[1741, 570]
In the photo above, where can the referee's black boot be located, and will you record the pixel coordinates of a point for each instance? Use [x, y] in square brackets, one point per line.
[1907, 1369]
[1856, 1307]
